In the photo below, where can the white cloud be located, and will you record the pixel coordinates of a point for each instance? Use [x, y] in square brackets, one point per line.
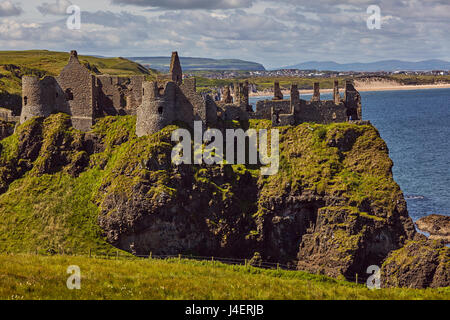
[8, 9]
[275, 33]
[59, 7]
[188, 4]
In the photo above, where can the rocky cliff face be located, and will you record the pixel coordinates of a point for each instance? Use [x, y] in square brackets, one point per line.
[6, 129]
[437, 226]
[419, 264]
[333, 208]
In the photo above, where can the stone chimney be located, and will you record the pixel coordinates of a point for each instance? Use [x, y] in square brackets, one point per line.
[176, 73]
[226, 97]
[295, 95]
[336, 95]
[277, 94]
[316, 95]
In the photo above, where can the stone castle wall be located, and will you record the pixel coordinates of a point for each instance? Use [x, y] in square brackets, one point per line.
[118, 95]
[78, 85]
[82, 95]
[159, 103]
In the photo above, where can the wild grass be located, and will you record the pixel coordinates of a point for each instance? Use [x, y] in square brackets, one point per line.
[44, 277]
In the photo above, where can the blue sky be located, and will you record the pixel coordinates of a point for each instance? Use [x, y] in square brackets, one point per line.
[275, 33]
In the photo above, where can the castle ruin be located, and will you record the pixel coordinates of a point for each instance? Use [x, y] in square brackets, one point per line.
[87, 97]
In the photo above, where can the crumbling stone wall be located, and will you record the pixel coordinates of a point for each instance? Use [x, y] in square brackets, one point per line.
[353, 102]
[6, 114]
[78, 85]
[190, 103]
[320, 112]
[118, 95]
[230, 111]
[263, 109]
[82, 95]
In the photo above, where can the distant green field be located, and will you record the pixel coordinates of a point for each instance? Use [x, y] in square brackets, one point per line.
[44, 277]
[52, 62]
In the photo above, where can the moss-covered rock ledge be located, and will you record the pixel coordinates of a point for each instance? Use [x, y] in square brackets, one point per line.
[333, 208]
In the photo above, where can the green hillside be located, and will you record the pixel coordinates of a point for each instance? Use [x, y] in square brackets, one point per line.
[38, 277]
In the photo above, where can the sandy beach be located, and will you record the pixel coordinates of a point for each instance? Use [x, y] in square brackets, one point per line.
[363, 87]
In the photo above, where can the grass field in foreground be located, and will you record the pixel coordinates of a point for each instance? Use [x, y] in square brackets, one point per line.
[41, 277]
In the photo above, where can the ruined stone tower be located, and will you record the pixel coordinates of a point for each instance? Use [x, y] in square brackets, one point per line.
[157, 109]
[168, 100]
[36, 102]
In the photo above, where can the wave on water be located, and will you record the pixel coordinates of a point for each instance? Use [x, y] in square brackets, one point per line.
[414, 197]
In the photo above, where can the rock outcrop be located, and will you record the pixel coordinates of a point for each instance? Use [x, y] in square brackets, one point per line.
[6, 129]
[419, 264]
[333, 208]
[437, 226]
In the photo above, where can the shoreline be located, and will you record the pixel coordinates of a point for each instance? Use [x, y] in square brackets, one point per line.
[367, 88]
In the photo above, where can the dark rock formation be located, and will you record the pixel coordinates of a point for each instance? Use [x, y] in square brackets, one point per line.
[6, 129]
[46, 146]
[437, 226]
[300, 215]
[419, 264]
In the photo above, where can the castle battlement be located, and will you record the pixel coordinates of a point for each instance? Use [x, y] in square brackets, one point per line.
[157, 104]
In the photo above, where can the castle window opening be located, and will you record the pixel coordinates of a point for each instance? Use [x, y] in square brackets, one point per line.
[69, 94]
[160, 110]
[25, 100]
[123, 101]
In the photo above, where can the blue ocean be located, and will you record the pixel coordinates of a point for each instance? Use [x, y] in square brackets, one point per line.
[416, 127]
